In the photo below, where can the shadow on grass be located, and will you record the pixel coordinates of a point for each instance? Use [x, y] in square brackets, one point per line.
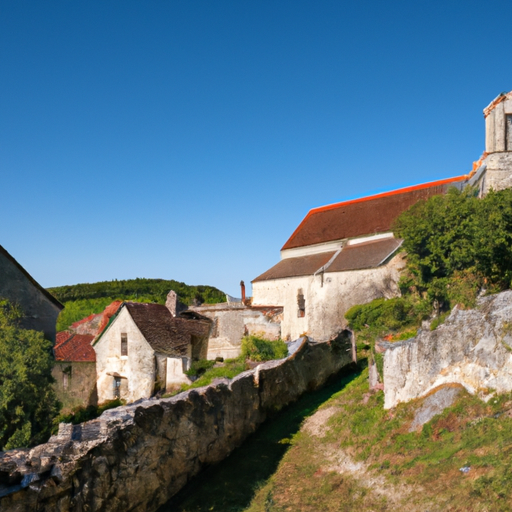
[229, 486]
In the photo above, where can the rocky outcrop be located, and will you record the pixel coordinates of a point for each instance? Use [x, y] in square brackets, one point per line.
[134, 458]
[472, 348]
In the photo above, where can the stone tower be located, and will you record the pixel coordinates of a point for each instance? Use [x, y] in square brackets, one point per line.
[498, 144]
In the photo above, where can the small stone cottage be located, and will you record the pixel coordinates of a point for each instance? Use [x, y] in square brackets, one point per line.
[74, 370]
[39, 306]
[147, 347]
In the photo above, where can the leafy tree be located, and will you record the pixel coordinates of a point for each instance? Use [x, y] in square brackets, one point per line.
[27, 398]
[82, 300]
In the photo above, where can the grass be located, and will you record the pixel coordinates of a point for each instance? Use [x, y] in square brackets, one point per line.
[470, 433]
[231, 485]
[254, 350]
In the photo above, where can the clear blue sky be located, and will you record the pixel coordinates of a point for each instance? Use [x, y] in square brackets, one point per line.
[186, 139]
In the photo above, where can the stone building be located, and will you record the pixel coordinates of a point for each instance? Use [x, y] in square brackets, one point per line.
[40, 307]
[235, 319]
[74, 370]
[494, 169]
[339, 256]
[146, 347]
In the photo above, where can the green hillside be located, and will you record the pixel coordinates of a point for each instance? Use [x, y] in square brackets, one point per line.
[81, 300]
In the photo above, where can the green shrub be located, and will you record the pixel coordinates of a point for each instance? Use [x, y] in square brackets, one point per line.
[80, 414]
[27, 398]
[197, 368]
[259, 349]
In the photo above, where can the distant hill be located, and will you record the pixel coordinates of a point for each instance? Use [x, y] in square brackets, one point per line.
[81, 300]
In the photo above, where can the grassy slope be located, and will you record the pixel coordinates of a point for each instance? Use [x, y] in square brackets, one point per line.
[409, 471]
[364, 458]
[82, 300]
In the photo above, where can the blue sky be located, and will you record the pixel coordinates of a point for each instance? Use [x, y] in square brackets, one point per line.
[187, 139]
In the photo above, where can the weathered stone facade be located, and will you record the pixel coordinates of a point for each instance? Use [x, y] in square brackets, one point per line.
[40, 308]
[327, 297]
[75, 383]
[134, 458]
[231, 322]
[144, 349]
[472, 348]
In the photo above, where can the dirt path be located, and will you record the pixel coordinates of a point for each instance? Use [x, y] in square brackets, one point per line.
[398, 497]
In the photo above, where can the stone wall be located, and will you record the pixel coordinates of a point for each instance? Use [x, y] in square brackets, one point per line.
[134, 458]
[472, 348]
[40, 308]
[75, 383]
[231, 322]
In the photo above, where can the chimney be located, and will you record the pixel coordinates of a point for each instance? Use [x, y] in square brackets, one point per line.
[173, 303]
[242, 286]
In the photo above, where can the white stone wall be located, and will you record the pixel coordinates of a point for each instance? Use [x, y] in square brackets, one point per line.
[231, 323]
[328, 297]
[176, 367]
[498, 175]
[138, 367]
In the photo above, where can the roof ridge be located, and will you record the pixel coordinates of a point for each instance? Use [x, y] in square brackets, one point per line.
[395, 192]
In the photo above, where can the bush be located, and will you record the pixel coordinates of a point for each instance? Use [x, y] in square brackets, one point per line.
[27, 397]
[80, 414]
[259, 349]
[197, 368]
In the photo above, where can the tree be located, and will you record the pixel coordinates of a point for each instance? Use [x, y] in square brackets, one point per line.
[27, 399]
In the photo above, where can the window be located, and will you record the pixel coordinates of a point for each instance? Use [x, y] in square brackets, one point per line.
[117, 387]
[65, 381]
[124, 344]
[301, 304]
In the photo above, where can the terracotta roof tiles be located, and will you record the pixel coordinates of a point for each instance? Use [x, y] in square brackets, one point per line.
[364, 216]
[76, 348]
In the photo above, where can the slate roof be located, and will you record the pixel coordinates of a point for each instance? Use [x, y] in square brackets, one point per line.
[369, 254]
[364, 216]
[76, 348]
[366, 255]
[165, 333]
[296, 267]
[46, 293]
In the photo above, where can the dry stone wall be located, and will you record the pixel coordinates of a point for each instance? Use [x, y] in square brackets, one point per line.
[134, 458]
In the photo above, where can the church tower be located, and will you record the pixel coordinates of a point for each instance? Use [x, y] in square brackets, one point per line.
[498, 143]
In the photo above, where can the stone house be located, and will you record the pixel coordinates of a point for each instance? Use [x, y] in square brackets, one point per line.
[74, 370]
[146, 347]
[40, 307]
[339, 256]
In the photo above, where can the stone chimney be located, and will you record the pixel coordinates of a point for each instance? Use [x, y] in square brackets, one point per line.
[242, 286]
[173, 304]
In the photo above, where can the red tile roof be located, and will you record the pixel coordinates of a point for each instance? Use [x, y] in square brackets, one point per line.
[61, 337]
[364, 216]
[75, 348]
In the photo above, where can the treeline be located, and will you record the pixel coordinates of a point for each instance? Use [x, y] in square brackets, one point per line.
[82, 300]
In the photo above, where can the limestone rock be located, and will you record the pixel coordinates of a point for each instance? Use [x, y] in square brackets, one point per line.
[472, 348]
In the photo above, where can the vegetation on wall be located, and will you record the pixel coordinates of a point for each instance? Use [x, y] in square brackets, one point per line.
[82, 300]
[27, 398]
[456, 245]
